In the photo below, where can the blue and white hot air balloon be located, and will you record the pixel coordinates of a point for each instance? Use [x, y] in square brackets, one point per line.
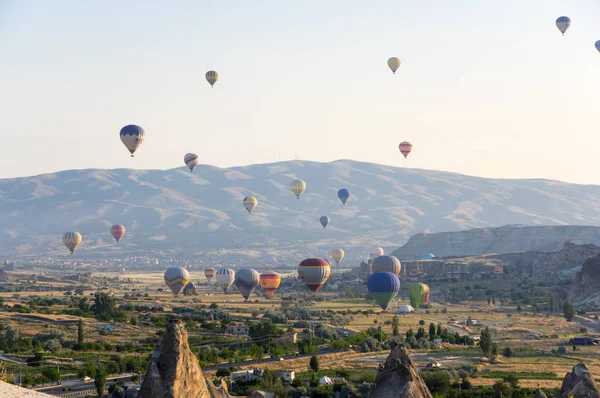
[563, 23]
[597, 45]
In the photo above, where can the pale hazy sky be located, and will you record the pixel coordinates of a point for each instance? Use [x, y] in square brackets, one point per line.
[486, 88]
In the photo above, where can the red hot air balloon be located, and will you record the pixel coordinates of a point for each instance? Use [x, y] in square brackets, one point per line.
[405, 148]
[117, 231]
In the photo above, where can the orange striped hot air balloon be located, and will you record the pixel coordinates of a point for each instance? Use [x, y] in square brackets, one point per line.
[314, 272]
[405, 148]
[270, 281]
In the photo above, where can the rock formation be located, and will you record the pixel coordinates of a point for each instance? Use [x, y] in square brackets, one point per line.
[579, 383]
[398, 377]
[539, 394]
[174, 371]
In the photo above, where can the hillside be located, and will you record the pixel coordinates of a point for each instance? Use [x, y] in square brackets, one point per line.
[178, 213]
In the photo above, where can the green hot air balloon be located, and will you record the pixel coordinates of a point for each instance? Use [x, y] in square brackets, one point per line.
[246, 280]
[419, 294]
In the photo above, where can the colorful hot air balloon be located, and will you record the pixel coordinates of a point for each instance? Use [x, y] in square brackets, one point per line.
[132, 137]
[117, 231]
[337, 255]
[298, 187]
[225, 278]
[563, 23]
[176, 279]
[376, 251]
[387, 264]
[394, 64]
[72, 240]
[209, 273]
[597, 45]
[324, 220]
[343, 194]
[419, 294]
[314, 272]
[383, 287]
[250, 203]
[212, 77]
[246, 281]
[191, 160]
[405, 148]
[270, 281]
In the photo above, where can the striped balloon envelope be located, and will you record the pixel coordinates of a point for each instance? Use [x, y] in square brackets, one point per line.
[298, 187]
[269, 281]
[191, 160]
[387, 264]
[212, 77]
[405, 148]
[209, 273]
[250, 203]
[117, 231]
[314, 272]
[176, 279]
[246, 280]
[225, 278]
[383, 287]
[72, 240]
[337, 255]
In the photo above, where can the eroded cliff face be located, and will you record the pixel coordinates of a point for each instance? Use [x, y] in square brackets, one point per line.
[585, 290]
[399, 378]
[579, 383]
[174, 371]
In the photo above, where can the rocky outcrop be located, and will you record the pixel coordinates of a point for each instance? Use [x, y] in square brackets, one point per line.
[398, 377]
[579, 383]
[539, 394]
[585, 290]
[174, 371]
[3, 276]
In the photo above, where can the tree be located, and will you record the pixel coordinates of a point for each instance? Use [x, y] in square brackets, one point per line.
[485, 342]
[422, 322]
[568, 310]
[508, 352]
[80, 335]
[431, 331]
[52, 374]
[512, 379]
[100, 380]
[552, 303]
[223, 372]
[395, 324]
[489, 300]
[314, 363]
[518, 308]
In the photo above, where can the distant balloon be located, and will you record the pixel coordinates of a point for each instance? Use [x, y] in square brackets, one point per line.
[298, 187]
[191, 160]
[225, 278]
[387, 264]
[563, 23]
[405, 148]
[212, 77]
[270, 281]
[394, 64]
[250, 203]
[132, 137]
[246, 280]
[209, 273]
[419, 294]
[117, 231]
[324, 220]
[337, 255]
[72, 240]
[176, 279]
[314, 272]
[343, 194]
[427, 256]
[383, 287]
[597, 45]
[376, 251]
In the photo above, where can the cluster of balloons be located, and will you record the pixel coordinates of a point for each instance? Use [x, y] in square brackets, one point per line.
[563, 23]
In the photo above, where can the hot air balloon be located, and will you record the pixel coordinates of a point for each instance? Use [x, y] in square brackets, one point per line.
[313, 272]
[225, 278]
[191, 160]
[298, 187]
[383, 287]
[117, 231]
[212, 77]
[176, 279]
[394, 64]
[132, 137]
[343, 194]
[189, 289]
[209, 273]
[376, 251]
[563, 23]
[337, 255]
[72, 240]
[246, 281]
[427, 256]
[387, 264]
[270, 281]
[405, 148]
[418, 293]
[597, 45]
[324, 220]
[250, 203]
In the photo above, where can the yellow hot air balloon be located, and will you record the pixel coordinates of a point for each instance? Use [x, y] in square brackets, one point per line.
[337, 255]
[250, 203]
[212, 77]
[394, 64]
[298, 187]
[72, 240]
[270, 281]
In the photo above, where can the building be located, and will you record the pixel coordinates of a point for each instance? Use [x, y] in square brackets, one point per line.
[287, 376]
[237, 329]
[247, 375]
[288, 338]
